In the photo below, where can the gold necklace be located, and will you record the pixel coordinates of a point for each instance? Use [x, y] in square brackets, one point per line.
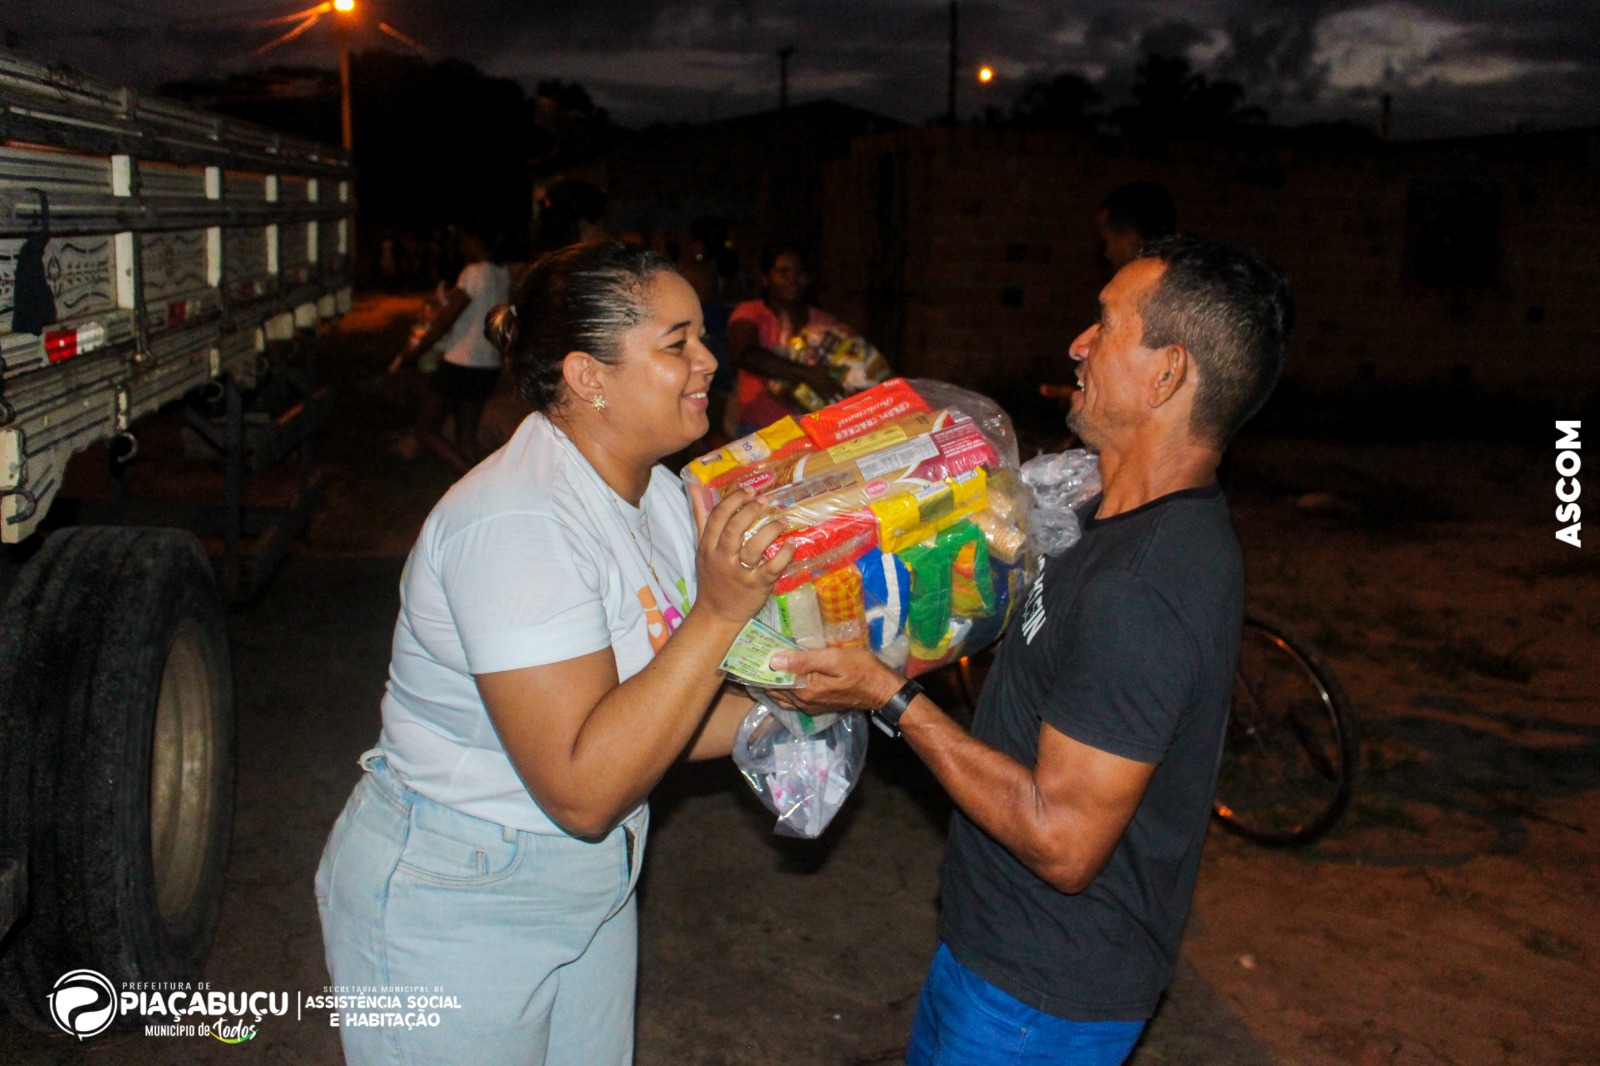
[649, 559]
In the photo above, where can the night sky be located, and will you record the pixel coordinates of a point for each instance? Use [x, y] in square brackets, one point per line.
[1452, 67]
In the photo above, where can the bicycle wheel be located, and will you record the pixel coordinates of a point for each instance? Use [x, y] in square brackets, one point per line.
[1290, 757]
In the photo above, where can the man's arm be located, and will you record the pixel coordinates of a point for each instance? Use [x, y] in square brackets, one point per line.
[1062, 817]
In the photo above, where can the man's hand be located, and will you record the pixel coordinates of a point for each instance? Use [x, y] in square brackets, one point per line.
[836, 679]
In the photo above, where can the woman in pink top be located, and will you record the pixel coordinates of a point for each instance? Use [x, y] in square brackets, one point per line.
[758, 338]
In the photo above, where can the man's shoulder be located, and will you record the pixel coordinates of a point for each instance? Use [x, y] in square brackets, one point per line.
[1187, 524]
[1181, 551]
[1193, 530]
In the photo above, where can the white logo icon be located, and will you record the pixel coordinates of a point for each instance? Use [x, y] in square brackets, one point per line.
[83, 1004]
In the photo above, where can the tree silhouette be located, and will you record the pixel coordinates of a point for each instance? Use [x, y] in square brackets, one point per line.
[435, 143]
[1059, 103]
[570, 127]
[1172, 101]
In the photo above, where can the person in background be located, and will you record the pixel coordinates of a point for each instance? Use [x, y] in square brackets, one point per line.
[701, 258]
[1132, 216]
[469, 369]
[558, 648]
[1126, 220]
[1084, 788]
[758, 341]
[570, 211]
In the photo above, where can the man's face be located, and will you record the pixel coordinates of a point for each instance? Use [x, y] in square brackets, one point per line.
[1114, 367]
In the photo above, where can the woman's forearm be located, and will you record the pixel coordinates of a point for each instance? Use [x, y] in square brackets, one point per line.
[621, 737]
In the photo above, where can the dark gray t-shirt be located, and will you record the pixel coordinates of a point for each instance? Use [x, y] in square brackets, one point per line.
[1127, 642]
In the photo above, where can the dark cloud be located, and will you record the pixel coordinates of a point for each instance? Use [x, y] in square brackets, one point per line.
[1272, 51]
[1457, 66]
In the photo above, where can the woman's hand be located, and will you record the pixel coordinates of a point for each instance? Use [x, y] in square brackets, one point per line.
[836, 679]
[733, 575]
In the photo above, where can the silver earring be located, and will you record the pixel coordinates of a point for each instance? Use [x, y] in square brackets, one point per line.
[598, 402]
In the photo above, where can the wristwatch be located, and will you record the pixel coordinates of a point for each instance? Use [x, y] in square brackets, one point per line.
[887, 717]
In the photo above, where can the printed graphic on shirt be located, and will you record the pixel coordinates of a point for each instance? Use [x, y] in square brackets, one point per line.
[662, 624]
[1033, 614]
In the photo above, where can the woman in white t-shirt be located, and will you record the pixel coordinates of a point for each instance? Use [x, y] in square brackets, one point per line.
[557, 649]
[469, 368]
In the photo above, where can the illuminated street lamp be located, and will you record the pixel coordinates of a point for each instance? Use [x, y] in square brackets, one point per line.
[986, 74]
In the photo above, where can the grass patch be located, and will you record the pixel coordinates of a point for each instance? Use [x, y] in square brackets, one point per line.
[1411, 622]
[1381, 814]
[1552, 945]
[1456, 658]
[1570, 565]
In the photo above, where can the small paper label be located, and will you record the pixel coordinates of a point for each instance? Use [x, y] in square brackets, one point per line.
[897, 458]
[747, 659]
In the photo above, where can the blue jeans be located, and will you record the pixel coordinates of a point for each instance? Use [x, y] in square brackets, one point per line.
[963, 1020]
[532, 939]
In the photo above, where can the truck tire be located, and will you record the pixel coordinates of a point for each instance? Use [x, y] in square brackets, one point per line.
[115, 661]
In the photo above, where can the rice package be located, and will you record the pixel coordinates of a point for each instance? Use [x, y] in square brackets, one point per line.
[907, 514]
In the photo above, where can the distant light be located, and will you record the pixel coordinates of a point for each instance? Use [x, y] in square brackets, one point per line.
[345, 6]
[985, 74]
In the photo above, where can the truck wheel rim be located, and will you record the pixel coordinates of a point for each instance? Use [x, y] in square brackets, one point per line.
[182, 767]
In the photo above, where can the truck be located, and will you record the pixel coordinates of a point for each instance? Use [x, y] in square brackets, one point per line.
[153, 258]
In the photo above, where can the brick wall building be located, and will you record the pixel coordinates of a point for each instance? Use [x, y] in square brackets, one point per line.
[969, 254]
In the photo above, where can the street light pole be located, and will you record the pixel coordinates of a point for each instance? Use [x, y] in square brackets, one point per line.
[950, 115]
[344, 8]
[783, 76]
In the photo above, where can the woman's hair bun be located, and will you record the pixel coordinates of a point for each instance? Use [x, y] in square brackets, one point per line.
[500, 327]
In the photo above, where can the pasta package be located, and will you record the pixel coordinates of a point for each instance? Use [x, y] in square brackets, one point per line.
[907, 514]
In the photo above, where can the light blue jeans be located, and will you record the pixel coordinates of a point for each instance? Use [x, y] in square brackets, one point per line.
[963, 1020]
[533, 939]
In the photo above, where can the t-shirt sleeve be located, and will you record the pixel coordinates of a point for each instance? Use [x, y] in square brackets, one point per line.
[748, 311]
[522, 591]
[1127, 670]
[472, 279]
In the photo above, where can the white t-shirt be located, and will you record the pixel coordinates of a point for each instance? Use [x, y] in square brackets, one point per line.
[527, 560]
[487, 284]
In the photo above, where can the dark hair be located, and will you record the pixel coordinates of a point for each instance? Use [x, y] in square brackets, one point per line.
[1233, 311]
[1142, 207]
[770, 254]
[580, 298]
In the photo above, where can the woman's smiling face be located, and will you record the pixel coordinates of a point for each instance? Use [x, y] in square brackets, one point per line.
[659, 384]
[788, 279]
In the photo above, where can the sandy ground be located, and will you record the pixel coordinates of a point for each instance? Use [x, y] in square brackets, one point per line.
[1450, 918]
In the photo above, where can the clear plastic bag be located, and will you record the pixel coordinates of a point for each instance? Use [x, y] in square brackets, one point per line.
[802, 768]
[1061, 482]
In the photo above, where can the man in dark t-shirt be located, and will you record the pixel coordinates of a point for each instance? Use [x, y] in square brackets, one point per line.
[1127, 644]
[1083, 789]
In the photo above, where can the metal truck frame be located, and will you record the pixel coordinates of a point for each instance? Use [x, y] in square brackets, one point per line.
[147, 251]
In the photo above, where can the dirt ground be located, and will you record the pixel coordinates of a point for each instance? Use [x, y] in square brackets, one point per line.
[1451, 917]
